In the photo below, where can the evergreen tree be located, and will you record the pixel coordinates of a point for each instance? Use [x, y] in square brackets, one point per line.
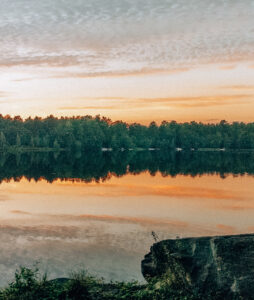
[90, 134]
[18, 140]
[56, 145]
[2, 140]
[32, 142]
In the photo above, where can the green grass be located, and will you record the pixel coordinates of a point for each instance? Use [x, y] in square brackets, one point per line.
[29, 285]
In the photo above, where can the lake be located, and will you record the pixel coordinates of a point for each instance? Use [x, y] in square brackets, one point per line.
[98, 211]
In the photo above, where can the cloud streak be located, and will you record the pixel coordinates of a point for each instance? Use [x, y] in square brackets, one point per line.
[184, 102]
[238, 87]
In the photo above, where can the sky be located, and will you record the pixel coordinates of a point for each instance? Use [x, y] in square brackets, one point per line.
[135, 60]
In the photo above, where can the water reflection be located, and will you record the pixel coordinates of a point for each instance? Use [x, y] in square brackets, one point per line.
[97, 211]
[101, 166]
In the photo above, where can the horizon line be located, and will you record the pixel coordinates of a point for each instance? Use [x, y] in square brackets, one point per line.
[109, 120]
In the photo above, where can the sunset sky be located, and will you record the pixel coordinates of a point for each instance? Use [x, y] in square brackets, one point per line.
[135, 60]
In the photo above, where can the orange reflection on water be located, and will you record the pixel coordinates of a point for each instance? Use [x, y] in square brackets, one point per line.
[107, 226]
[220, 204]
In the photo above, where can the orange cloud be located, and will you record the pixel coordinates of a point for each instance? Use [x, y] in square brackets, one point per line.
[227, 67]
[20, 212]
[238, 206]
[86, 107]
[121, 73]
[238, 87]
[197, 101]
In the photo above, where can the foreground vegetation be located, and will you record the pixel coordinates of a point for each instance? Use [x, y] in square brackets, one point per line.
[88, 133]
[30, 285]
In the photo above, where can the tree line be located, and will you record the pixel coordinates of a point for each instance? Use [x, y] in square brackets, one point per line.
[84, 133]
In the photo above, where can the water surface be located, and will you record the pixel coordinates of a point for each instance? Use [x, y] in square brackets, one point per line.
[98, 211]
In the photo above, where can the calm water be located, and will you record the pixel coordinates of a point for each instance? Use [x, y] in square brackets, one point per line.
[98, 211]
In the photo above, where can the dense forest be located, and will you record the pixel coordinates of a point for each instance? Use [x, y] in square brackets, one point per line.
[101, 166]
[90, 133]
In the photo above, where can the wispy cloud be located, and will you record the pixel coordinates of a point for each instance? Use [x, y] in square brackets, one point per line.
[120, 73]
[3, 94]
[238, 87]
[118, 37]
[87, 107]
[227, 67]
[118, 103]
[20, 212]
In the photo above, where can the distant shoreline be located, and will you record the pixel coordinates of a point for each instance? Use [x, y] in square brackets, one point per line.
[15, 150]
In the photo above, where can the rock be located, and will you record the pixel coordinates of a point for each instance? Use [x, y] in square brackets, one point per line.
[222, 266]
